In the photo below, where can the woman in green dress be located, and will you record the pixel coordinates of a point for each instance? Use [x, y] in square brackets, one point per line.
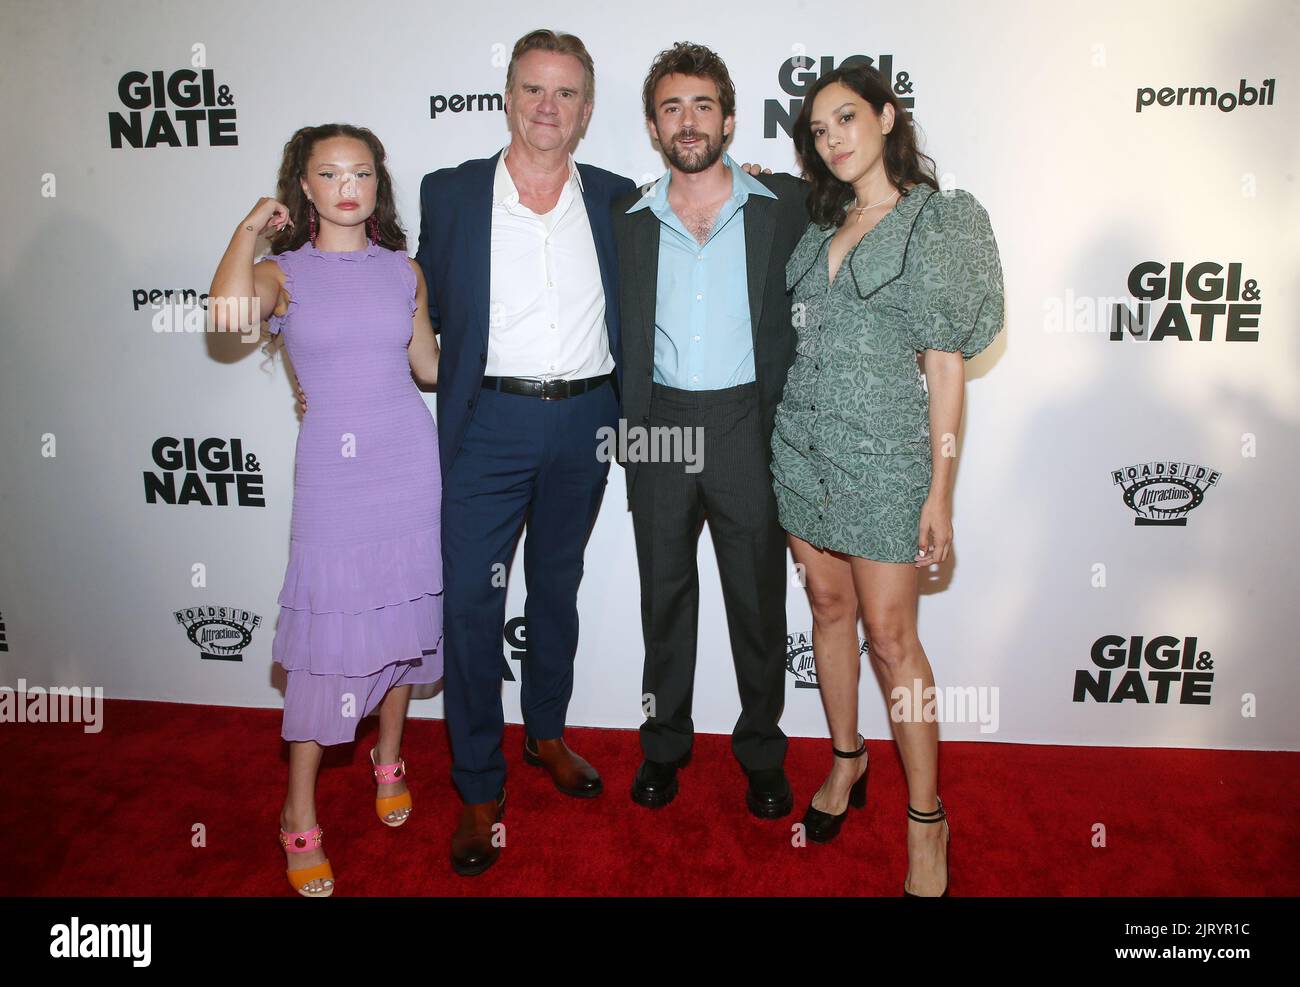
[863, 451]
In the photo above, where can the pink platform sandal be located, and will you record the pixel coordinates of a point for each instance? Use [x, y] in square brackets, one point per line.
[387, 774]
[299, 880]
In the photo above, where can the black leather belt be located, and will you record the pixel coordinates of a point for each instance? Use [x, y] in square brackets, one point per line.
[547, 390]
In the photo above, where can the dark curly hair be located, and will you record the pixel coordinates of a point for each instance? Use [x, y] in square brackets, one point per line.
[685, 58]
[293, 168]
[905, 164]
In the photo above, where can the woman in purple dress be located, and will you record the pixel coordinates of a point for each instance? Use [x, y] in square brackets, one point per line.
[361, 606]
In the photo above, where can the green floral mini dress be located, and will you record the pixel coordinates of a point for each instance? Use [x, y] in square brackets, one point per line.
[851, 444]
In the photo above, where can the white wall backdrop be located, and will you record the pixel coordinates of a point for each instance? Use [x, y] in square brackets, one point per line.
[1036, 109]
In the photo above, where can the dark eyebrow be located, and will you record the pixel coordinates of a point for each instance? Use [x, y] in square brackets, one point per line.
[834, 111]
[335, 164]
[694, 99]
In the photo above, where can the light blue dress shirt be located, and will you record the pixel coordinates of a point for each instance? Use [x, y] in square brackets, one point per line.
[703, 338]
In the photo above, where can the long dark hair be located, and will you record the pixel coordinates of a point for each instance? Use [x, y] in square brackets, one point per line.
[293, 168]
[905, 164]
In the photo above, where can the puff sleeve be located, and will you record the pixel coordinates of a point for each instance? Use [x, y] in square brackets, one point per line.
[957, 294]
[276, 323]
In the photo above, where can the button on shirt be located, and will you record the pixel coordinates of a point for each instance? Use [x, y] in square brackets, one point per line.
[547, 314]
[703, 338]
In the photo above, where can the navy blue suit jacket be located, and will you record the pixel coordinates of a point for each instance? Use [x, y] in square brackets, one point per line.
[456, 256]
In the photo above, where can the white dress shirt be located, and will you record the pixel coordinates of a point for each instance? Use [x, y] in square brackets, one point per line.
[547, 313]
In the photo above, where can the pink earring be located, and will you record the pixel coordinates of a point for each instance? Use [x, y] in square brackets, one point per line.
[372, 224]
[311, 222]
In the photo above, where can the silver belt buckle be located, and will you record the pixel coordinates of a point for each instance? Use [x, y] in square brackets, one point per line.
[544, 394]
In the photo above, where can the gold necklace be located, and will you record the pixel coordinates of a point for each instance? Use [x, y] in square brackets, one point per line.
[861, 210]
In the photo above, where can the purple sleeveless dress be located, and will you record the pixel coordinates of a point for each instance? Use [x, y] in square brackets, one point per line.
[361, 605]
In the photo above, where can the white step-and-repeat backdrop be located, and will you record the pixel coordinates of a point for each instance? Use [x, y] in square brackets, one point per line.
[1125, 560]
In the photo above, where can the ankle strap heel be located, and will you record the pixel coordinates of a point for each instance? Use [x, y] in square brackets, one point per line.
[862, 749]
[389, 805]
[822, 827]
[937, 815]
[934, 816]
[301, 879]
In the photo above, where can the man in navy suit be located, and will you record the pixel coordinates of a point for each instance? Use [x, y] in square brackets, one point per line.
[518, 253]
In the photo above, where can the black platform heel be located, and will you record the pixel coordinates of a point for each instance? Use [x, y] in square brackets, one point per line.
[938, 815]
[822, 827]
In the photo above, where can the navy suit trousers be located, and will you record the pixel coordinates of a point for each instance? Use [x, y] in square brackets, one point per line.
[523, 462]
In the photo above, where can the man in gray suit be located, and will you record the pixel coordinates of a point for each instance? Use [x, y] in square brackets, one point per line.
[707, 341]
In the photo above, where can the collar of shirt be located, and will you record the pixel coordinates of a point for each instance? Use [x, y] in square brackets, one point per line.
[742, 186]
[504, 192]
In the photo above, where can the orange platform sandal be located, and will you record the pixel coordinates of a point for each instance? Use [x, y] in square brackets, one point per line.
[387, 774]
[299, 880]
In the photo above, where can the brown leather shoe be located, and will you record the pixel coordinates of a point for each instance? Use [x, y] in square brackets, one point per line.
[572, 774]
[472, 847]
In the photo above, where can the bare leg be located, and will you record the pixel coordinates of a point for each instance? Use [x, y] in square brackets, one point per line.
[887, 593]
[829, 582]
[392, 718]
[299, 812]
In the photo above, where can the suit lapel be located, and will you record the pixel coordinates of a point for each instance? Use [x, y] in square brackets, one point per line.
[760, 227]
[600, 235]
[645, 243]
[479, 229]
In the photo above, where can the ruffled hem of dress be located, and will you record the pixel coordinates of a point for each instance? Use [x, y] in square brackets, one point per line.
[328, 708]
[358, 644]
[354, 578]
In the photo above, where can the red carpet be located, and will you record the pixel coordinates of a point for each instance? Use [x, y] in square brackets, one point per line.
[113, 814]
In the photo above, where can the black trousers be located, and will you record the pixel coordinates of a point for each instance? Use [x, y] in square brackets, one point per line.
[670, 501]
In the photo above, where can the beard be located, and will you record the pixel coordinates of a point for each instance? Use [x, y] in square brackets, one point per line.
[694, 159]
